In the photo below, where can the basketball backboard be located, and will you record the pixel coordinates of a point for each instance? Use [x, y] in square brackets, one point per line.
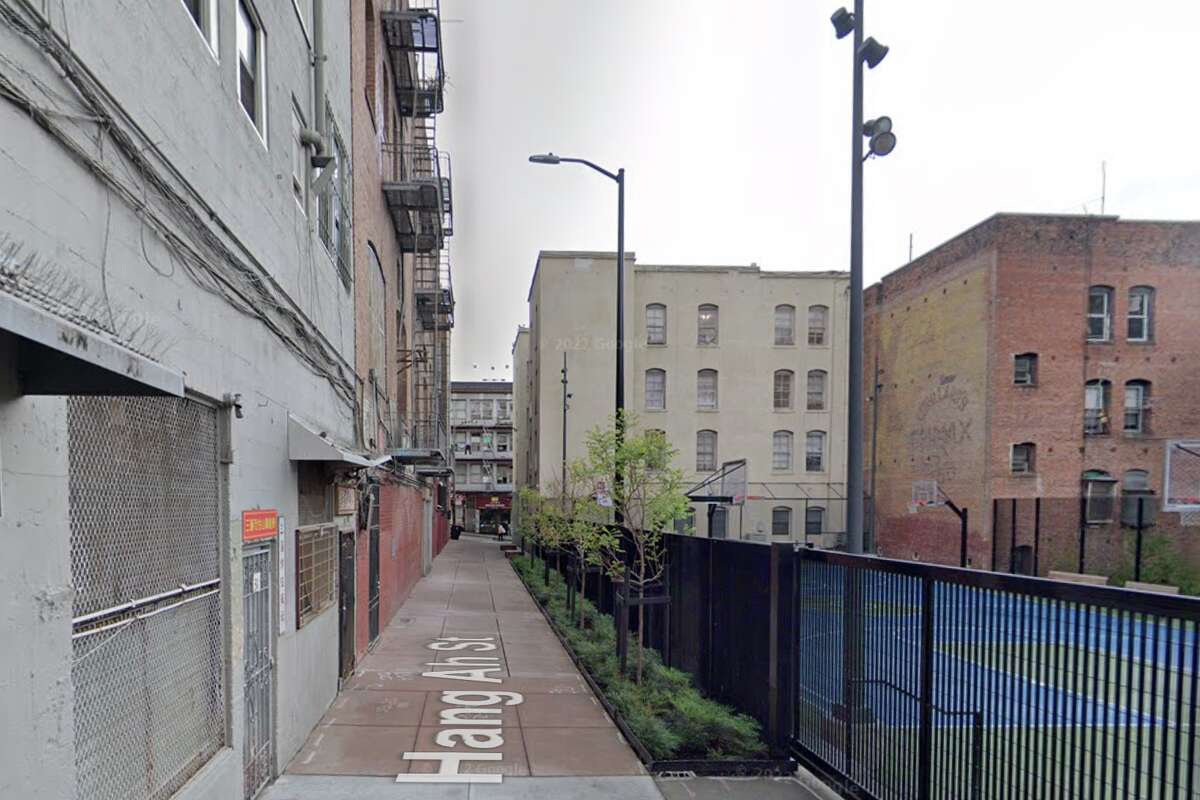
[1181, 476]
[733, 481]
[925, 494]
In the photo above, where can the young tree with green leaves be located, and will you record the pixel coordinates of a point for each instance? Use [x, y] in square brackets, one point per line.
[647, 490]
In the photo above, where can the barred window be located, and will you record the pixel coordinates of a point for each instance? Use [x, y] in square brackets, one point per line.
[782, 395]
[316, 571]
[785, 325]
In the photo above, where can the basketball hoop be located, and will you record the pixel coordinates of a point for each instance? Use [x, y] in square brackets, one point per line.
[926, 494]
[1181, 477]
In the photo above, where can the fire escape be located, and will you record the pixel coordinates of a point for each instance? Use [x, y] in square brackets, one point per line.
[416, 184]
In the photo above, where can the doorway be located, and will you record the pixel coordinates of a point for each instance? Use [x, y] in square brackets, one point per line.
[258, 754]
[346, 604]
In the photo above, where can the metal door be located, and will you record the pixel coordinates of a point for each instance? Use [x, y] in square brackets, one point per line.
[346, 605]
[258, 753]
[373, 564]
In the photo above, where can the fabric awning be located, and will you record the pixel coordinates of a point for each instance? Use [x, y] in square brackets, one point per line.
[306, 444]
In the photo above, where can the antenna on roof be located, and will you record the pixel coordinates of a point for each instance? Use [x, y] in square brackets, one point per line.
[1103, 184]
[910, 248]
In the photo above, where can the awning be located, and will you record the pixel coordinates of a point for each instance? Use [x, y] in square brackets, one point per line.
[305, 444]
[59, 357]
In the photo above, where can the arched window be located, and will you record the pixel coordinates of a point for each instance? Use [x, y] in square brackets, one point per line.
[1098, 496]
[818, 322]
[785, 324]
[816, 390]
[781, 521]
[1135, 480]
[1022, 458]
[781, 451]
[370, 36]
[656, 390]
[1096, 395]
[706, 389]
[1140, 322]
[1099, 313]
[706, 451]
[814, 521]
[782, 395]
[706, 325]
[814, 451]
[1137, 406]
[656, 324]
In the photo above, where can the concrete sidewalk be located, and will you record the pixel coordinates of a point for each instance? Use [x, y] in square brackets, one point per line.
[468, 649]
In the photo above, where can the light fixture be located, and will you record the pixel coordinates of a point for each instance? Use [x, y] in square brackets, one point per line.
[547, 158]
[843, 22]
[872, 52]
[883, 143]
[873, 127]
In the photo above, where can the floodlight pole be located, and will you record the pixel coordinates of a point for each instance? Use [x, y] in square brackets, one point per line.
[854, 424]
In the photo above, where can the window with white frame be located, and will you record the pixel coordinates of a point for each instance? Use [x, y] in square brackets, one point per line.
[782, 390]
[656, 390]
[781, 521]
[781, 451]
[1140, 323]
[503, 442]
[504, 409]
[1025, 369]
[251, 46]
[818, 322]
[816, 390]
[1098, 496]
[1137, 396]
[706, 389]
[204, 14]
[482, 409]
[706, 451]
[1099, 313]
[1095, 407]
[814, 521]
[785, 324]
[656, 324]
[458, 410]
[814, 451]
[707, 325]
[333, 213]
[1022, 458]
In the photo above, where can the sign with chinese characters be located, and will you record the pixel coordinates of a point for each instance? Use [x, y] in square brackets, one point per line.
[261, 523]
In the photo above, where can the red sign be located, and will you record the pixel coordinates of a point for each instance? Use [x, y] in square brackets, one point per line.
[492, 501]
[262, 523]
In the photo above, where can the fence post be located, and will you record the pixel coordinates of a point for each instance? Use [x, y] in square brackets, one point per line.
[773, 651]
[1082, 533]
[1137, 557]
[995, 509]
[962, 555]
[1012, 546]
[925, 732]
[1037, 532]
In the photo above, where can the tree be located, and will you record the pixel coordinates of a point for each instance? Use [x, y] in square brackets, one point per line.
[585, 527]
[647, 493]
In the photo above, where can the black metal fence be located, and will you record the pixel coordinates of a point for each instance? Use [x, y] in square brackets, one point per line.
[900, 679]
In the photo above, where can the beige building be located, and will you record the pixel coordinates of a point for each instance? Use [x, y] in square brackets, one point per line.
[730, 362]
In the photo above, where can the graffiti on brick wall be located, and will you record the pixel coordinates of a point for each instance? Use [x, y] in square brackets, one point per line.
[942, 426]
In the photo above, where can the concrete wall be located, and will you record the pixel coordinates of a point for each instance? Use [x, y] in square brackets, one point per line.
[55, 207]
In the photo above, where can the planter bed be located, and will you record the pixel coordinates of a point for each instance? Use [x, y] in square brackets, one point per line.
[757, 767]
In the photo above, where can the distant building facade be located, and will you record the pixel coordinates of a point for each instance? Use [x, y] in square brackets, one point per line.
[1036, 367]
[729, 362]
[481, 415]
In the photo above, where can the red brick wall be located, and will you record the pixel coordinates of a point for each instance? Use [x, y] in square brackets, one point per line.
[400, 558]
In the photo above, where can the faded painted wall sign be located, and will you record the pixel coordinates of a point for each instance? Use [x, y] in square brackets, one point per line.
[942, 426]
[472, 718]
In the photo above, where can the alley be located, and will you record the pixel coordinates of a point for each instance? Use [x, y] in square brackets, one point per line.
[557, 739]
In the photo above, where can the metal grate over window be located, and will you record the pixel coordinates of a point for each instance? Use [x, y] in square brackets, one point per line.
[147, 668]
[316, 571]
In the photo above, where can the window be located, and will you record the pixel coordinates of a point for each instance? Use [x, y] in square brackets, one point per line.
[503, 442]
[371, 36]
[785, 325]
[204, 14]
[1140, 324]
[505, 409]
[1095, 407]
[781, 451]
[816, 390]
[1099, 315]
[814, 521]
[1137, 395]
[250, 67]
[1025, 369]
[783, 389]
[316, 571]
[1136, 480]
[1021, 460]
[458, 410]
[686, 524]
[706, 451]
[656, 324]
[299, 158]
[716, 529]
[781, 521]
[482, 409]
[503, 474]
[818, 321]
[706, 389]
[706, 325]
[1098, 496]
[814, 451]
[333, 213]
[656, 389]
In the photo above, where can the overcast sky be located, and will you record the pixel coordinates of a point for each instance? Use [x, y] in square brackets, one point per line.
[731, 120]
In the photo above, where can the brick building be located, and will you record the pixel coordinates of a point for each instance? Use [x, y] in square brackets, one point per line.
[481, 415]
[1044, 358]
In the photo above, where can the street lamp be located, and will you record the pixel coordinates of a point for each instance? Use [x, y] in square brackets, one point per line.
[882, 141]
[619, 178]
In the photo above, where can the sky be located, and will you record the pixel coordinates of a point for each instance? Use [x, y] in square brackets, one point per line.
[732, 123]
